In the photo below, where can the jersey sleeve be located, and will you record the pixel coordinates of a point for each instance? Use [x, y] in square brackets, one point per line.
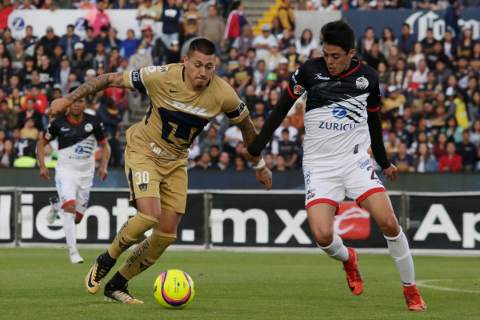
[52, 131]
[144, 78]
[297, 86]
[99, 131]
[235, 109]
[374, 99]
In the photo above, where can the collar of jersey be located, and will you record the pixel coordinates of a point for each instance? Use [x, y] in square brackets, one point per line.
[354, 66]
[74, 122]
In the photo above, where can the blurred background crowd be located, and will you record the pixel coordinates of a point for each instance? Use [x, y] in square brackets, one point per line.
[430, 89]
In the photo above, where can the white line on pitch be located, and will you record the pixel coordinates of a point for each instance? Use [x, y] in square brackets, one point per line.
[424, 283]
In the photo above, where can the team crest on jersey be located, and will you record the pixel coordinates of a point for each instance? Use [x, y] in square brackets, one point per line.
[88, 127]
[298, 90]
[361, 83]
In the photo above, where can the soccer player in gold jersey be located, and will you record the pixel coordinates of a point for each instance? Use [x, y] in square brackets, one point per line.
[184, 98]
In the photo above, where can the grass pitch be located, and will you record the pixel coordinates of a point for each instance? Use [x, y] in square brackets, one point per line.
[41, 284]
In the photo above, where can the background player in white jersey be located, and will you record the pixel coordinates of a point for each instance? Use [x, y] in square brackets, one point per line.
[77, 134]
[341, 122]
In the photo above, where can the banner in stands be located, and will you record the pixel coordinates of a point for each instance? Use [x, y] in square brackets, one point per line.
[418, 20]
[107, 212]
[122, 20]
[445, 222]
[280, 220]
[7, 217]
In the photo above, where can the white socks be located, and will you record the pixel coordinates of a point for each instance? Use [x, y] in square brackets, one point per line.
[400, 252]
[336, 249]
[70, 231]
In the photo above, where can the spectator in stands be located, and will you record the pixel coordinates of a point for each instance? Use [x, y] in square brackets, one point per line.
[27, 5]
[428, 42]
[7, 154]
[286, 15]
[406, 40]
[402, 160]
[98, 17]
[18, 56]
[6, 72]
[451, 161]
[191, 21]
[213, 28]
[467, 151]
[224, 161]
[305, 44]
[111, 115]
[243, 74]
[387, 41]
[214, 153]
[39, 98]
[129, 46]
[68, 41]
[374, 57]
[235, 23]
[280, 164]
[264, 42]
[424, 160]
[49, 41]
[232, 138]
[202, 162]
[465, 47]
[148, 14]
[240, 164]
[30, 113]
[62, 74]
[288, 150]
[368, 39]
[171, 22]
[475, 133]
[245, 40]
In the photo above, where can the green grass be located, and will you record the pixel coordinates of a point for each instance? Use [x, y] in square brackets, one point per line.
[42, 284]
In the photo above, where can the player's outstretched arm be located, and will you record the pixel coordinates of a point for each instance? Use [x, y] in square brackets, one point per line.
[378, 148]
[99, 83]
[103, 168]
[44, 174]
[262, 173]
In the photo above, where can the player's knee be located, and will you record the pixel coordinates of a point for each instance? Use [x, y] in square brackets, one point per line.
[165, 228]
[323, 237]
[390, 226]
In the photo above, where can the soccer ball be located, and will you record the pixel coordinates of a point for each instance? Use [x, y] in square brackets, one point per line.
[174, 289]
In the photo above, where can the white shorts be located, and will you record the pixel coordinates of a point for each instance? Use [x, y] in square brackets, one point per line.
[72, 186]
[355, 179]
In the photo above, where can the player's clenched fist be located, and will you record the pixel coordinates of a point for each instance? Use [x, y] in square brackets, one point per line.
[264, 176]
[44, 173]
[58, 106]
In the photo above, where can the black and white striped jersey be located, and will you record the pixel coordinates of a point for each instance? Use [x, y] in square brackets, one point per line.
[77, 141]
[336, 109]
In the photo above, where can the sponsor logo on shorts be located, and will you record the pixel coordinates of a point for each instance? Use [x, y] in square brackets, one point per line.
[143, 187]
[335, 126]
[352, 222]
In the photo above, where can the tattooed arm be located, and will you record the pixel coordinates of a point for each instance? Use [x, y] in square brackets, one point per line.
[101, 82]
[263, 174]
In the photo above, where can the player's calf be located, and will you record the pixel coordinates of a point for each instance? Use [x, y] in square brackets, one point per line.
[98, 271]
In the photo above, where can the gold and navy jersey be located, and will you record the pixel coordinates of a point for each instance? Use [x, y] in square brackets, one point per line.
[177, 114]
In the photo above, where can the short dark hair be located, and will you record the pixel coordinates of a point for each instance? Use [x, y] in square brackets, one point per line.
[339, 33]
[202, 45]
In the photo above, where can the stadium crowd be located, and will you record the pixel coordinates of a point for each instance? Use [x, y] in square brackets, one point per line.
[430, 89]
